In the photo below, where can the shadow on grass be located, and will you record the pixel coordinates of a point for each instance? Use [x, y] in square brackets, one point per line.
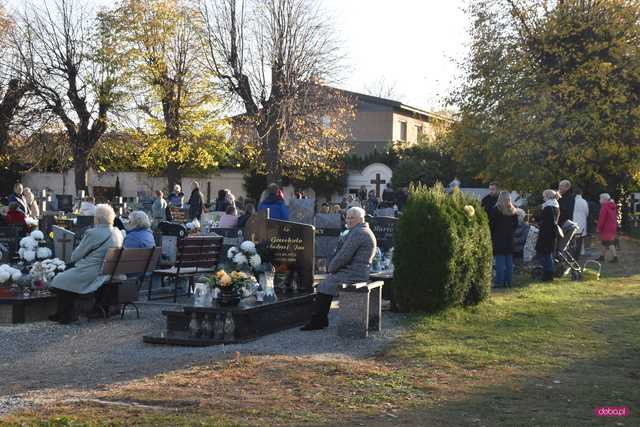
[565, 366]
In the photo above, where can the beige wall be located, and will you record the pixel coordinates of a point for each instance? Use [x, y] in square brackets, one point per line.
[412, 136]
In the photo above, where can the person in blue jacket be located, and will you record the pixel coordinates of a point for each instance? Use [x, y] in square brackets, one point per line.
[139, 234]
[275, 203]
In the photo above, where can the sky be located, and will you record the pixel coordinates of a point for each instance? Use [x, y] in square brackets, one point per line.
[411, 46]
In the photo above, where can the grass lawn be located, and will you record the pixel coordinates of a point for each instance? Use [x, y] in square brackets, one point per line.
[541, 354]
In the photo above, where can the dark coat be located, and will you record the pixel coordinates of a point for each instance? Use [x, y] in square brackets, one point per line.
[488, 203]
[548, 235]
[520, 237]
[502, 228]
[567, 202]
[195, 205]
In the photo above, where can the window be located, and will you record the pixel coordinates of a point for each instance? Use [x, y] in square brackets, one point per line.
[403, 131]
[325, 122]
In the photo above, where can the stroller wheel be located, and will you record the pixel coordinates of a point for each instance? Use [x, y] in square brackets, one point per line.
[575, 275]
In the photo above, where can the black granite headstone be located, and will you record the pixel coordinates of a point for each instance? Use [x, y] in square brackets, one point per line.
[383, 228]
[9, 237]
[302, 210]
[65, 202]
[328, 229]
[290, 246]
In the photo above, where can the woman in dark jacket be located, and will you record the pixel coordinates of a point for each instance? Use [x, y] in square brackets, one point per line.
[548, 235]
[222, 203]
[520, 234]
[195, 202]
[503, 222]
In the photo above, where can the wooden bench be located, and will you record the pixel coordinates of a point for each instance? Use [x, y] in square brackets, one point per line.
[195, 255]
[360, 309]
[126, 267]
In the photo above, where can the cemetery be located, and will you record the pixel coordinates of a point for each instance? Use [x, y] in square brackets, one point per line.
[210, 216]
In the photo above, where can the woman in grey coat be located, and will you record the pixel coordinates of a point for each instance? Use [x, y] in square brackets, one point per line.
[350, 264]
[85, 276]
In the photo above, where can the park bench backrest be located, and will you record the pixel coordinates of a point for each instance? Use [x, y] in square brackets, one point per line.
[199, 252]
[130, 261]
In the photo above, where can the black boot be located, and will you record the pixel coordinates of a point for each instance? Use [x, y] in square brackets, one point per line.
[547, 276]
[320, 316]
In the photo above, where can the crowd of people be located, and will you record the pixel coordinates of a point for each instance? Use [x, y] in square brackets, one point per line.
[511, 232]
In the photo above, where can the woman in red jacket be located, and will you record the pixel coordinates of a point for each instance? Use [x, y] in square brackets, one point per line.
[608, 226]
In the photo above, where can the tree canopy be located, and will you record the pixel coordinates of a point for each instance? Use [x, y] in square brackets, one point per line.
[552, 91]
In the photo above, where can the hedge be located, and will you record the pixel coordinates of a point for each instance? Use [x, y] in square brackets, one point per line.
[442, 254]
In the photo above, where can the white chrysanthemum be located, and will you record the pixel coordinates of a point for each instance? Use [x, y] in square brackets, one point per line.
[16, 274]
[232, 252]
[44, 253]
[240, 259]
[255, 261]
[29, 255]
[4, 276]
[28, 242]
[248, 246]
[196, 223]
[37, 234]
[20, 254]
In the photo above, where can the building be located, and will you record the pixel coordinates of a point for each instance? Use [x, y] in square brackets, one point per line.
[379, 122]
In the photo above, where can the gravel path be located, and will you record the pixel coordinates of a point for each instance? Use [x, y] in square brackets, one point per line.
[46, 355]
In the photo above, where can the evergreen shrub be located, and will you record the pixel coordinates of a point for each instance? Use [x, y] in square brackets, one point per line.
[442, 255]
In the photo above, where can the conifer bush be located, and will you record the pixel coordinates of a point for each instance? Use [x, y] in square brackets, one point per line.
[442, 251]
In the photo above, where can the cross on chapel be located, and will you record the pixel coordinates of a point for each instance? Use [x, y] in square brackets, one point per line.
[377, 183]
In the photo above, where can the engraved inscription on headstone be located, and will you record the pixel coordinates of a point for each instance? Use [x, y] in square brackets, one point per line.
[292, 249]
[328, 229]
[383, 228]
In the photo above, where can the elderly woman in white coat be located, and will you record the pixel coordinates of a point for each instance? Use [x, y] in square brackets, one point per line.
[85, 277]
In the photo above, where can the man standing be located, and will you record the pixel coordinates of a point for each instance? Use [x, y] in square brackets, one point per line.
[489, 201]
[18, 197]
[567, 201]
[580, 215]
[350, 264]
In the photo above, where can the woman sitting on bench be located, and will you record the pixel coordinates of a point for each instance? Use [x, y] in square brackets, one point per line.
[85, 277]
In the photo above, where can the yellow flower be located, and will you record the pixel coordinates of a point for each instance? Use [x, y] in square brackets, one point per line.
[220, 274]
[469, 210]
[225, 280]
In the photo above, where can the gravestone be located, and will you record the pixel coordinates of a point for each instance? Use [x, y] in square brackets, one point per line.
[290, 247]
[390, 212]
[328, 229]
[63, 240]
[9, 237]
[302, 210]
[383, 228]
[65, 202]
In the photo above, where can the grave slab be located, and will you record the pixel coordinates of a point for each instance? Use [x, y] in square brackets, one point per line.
[251, 320]
[18, 308]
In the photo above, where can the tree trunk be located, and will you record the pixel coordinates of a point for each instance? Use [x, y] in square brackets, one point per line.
[271, 144]
[80, 167]
[174, 175]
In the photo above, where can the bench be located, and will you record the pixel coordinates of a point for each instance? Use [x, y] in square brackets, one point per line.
[360, 309]
[125, 268]
[195, 255]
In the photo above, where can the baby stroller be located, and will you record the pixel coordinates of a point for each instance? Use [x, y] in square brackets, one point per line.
[564, 261]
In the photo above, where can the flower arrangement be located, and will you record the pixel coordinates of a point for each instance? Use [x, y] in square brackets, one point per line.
[235, 280]
[9, 274]
[34, 246]
[245, 258]
[47, 268]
